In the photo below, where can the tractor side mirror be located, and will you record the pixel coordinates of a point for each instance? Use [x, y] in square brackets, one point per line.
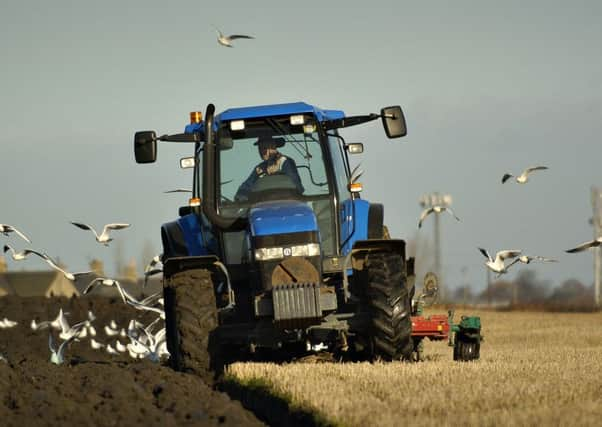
[393, 121]
[145, 146]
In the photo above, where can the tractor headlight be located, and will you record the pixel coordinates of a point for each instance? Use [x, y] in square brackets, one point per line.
[311, 249]
[266, 254]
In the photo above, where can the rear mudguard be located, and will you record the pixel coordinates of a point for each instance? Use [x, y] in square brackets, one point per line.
[189, 235]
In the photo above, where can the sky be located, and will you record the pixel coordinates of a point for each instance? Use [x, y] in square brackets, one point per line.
[486, 88]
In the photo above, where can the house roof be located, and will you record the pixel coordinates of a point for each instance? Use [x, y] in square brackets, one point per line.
[38, 283]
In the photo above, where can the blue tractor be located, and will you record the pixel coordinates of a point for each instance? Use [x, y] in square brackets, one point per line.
[276, 251]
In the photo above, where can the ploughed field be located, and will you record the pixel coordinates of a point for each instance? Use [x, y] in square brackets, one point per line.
[93, 387]
[535, 369]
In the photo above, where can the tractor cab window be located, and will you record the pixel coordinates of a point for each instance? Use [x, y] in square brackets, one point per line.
[271, 159]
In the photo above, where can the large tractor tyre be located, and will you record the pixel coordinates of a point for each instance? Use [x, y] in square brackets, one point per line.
[389, 307]
[466, 349]
[190, 318]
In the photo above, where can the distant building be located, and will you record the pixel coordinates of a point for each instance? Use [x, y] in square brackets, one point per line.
[38, 283]
[5, 287]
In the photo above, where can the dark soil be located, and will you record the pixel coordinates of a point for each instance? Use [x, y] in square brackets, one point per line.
[94, 388]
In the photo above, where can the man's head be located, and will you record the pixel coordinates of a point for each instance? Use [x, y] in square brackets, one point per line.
[268, 146]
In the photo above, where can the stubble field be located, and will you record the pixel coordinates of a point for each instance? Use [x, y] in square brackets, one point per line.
[535, 369]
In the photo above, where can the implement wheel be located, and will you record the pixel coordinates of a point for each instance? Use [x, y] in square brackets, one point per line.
[190, 317]
[466, 349]
[389, 307]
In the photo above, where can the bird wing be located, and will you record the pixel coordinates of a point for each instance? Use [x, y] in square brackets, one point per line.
[584, 246]
[178, 190]
[84, 226]
[484, 252]
[506, 177]
[23, 236]
[239, 36]
[424, 215]
[8, 248]
[512, 263]
[452, 213]
[92, 285]
[544, 259]
[509, 253]
[116, 226]
[535, 168]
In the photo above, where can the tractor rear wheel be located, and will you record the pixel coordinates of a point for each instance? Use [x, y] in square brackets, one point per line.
[190, 318]
[389, 307]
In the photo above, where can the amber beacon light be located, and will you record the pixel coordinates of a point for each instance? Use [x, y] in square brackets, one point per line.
[196, 117]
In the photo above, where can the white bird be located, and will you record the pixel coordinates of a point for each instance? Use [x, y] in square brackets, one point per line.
[77, 331]
[497, 265]
[57, 356]
[587, 245]
[68, 275]
[125, 296]
[526, 259]
[523, 177]
[17, 256]
[113, 324]
[55, 324]
[103, 237]
[111, 350]
[95, 344]
[436, 209]
[152, 268]
[227, 40]
[92, 331]
[6, 323]
[120, 347]
[5, 229]
[110, 332]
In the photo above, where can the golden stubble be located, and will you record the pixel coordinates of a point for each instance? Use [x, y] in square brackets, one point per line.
[535, 369]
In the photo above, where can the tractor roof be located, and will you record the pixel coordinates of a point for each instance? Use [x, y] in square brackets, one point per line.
[278, 110]
[242, 113]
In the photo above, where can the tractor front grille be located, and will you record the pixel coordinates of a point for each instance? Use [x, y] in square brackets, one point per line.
[296, 305]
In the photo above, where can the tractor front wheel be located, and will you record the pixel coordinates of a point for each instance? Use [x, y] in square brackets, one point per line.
[466, 349]
[389, 307]
[190, 318]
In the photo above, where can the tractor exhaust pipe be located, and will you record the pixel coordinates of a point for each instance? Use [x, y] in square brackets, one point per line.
[209, 180]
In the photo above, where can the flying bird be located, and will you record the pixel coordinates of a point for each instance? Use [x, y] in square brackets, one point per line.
[17, 256]
[497, 265]
[227, 40]
[587, 245]
[57, 356]
[103, 237]
[68, 275]
[152, 268]
[6, 323]
[5, 229]
[436, 209]
[523, 177]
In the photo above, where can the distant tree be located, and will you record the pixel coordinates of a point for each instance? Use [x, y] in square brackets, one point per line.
[529, 289]
[572, 292]
[462, 295]
[499, 291]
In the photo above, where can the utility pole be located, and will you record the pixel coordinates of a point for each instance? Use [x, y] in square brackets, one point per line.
[597, 224]
[429, 201]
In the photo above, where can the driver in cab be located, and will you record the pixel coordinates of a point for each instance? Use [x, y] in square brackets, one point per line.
[273, 163]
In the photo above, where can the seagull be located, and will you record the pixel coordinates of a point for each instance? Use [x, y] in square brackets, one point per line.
[437, 209]
[104, 236]
[125, 296]
[111, 332]
[523, 177]
[526, 259]
[587, 245]
[55, 324]
[498, 265]
[227, 40]
[6, 323]
[5, 229]
[17, 256]
[68, 275]
[151, 269]
[95, 344]
[111, 350]
[57, 356]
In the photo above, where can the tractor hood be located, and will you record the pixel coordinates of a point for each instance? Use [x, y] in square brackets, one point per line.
[280, 217]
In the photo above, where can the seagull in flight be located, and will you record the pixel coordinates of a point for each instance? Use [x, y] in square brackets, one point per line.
[17, 256]
[152, 268]
[527, 259]
[587, 245]
[497, 265]
[103, 237]
[523, 177]
[57, 356]
[5, 229]
[227, 40]
[437, 209]
[68, 275]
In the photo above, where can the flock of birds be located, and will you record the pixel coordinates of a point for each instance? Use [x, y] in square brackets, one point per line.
[506, 258]
[145, 341]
